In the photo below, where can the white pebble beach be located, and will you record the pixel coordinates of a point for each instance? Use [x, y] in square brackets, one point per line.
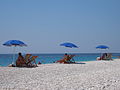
[92, 75]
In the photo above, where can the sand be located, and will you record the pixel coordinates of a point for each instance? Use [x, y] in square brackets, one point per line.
[93, 75]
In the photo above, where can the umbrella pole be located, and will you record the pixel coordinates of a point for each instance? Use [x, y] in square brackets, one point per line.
[101, 54]
[13, 56]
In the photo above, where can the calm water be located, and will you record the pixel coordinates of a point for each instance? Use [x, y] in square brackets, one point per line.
[6, 59]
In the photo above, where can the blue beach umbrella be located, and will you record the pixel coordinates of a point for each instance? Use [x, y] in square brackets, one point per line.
[102, 47]
[70, 45]
[14, 43]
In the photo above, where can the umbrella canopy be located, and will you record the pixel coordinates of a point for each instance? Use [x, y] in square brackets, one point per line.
[102, 47]
[14, 43]
[70, 45]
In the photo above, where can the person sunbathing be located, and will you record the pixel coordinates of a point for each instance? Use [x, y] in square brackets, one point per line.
[105, 56]
[20, 62]
[66, 59]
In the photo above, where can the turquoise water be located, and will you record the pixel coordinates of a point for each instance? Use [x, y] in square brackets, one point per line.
[6, 59]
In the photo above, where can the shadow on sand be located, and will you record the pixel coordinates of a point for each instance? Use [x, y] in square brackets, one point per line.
[76, 63]
[79, 63]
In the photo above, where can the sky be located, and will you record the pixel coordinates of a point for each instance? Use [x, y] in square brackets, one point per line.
[44, 24]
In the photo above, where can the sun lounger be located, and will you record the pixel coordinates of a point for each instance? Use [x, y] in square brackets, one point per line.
[27, 57]
[67, 59]
[108, 57]
[31, 61]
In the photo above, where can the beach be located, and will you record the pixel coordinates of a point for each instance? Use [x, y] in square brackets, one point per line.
[92, 75]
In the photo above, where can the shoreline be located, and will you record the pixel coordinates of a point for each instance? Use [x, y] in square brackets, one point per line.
[92, 75]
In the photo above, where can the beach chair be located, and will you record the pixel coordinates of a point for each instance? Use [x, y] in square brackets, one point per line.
[27, 57]
[108, 57]
[31, 61]
[70, 59]
[67, 59]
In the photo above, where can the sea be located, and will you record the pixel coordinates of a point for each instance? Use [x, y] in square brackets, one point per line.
[6, 59]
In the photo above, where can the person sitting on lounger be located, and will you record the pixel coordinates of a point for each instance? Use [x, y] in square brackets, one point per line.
[105, 56]
[102, 57]
[66, 59]
[20, 60]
